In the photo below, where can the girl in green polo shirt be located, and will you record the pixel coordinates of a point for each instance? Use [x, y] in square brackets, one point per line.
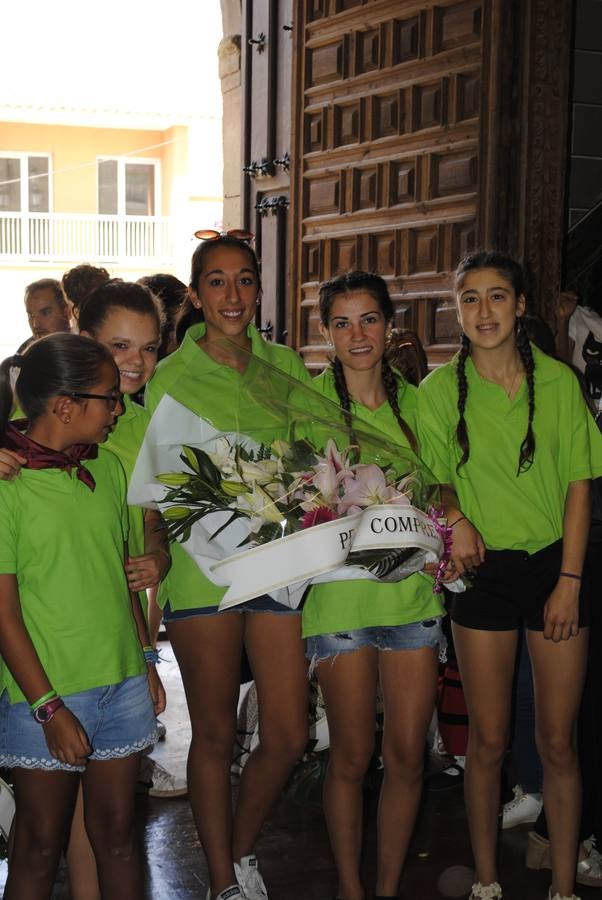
[507, 426]
[72, 634]
[207, 375]
[361, 632]
[127, 318]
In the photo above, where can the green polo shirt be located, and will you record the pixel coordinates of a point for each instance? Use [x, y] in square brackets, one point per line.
[64, 543]
[125, 441]
[218, 393]
[349, 605]
[511, 512]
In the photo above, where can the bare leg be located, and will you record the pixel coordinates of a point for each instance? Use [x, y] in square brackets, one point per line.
[486, 660]
[109, 813]
[208, 650]
[81, 862]
[558, 675]
[45, 802]
[348, 683]
[407, 717]
[279, 666]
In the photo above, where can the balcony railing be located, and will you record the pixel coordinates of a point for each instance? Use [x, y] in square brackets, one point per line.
[70, 237]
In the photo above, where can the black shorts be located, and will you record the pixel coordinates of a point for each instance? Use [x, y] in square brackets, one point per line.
[510, 589]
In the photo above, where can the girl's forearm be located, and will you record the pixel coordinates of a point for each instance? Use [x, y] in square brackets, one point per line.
[155, 533]
[16, 646]
[577, 514]
[450, 502]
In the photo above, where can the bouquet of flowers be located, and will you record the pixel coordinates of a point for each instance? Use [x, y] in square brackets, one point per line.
[298, 496]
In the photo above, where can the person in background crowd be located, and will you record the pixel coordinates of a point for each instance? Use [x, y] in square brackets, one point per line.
[172, 292]
[79, 282]
[46, 307]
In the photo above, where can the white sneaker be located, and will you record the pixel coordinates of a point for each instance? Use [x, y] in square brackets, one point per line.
[7, 809]
[523, 810]
[249, 878]
[591, 849]
[230, 893]
[491, 891]
[559, 897]
[164, 784]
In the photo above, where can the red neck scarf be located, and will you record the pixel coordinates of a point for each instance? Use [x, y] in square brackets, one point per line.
[40, 457]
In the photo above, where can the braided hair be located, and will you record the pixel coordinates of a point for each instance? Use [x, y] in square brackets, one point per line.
[461, 429]
[375, 286]
[512, 272]
[523, 345]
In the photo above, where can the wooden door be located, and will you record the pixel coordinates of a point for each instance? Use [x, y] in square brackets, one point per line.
[267, 67]
[396, 105]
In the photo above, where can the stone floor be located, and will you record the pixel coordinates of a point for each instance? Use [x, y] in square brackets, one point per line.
[293, 847]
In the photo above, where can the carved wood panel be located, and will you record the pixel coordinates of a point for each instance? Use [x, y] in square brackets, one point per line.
[390, 108]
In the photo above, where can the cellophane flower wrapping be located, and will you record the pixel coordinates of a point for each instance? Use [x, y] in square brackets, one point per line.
[292, 464]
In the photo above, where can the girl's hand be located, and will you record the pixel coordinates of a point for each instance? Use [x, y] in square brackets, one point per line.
[66, 738]
[148, 570]
[561, 612]
[10, 464]
[157, 691]
[449, 574]
[468, 549]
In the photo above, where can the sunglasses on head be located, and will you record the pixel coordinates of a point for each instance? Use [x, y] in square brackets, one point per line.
[210, 234]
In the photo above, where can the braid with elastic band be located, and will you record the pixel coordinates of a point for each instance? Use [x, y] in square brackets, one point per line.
[391, 386]
[461, 430]
[527, 448]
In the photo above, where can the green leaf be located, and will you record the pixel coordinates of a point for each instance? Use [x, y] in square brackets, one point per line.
[235, 515]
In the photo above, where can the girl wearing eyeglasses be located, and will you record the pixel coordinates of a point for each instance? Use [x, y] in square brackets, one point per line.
[127, 319]
[206, 374]
[78, 686]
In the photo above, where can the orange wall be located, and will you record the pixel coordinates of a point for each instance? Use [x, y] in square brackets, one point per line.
[75, 149]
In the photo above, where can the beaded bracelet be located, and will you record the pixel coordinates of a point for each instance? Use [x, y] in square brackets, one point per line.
[569, 575]
[151, 655]
[49, 696]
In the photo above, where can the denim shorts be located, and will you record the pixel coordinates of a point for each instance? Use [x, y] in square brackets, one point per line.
[264, 603]
[383, 637]
[119, 720]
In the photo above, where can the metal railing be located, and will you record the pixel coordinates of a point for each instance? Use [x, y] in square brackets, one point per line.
[71, 237]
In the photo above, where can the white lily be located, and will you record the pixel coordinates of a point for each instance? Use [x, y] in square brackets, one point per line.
[224, 456]
[260, 472]
[260, 504]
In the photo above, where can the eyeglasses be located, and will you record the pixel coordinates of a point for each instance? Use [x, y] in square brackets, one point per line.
[209, 234]
[112, 399]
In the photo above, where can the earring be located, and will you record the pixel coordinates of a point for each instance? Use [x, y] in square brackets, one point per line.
[258, 301]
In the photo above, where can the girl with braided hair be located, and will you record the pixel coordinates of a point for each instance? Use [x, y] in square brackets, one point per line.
[507, 426]
[359, 632]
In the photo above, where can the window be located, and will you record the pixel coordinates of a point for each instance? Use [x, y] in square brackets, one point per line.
[24, 183]
[127, 186]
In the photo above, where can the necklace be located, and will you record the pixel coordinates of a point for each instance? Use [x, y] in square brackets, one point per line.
[511, 388]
